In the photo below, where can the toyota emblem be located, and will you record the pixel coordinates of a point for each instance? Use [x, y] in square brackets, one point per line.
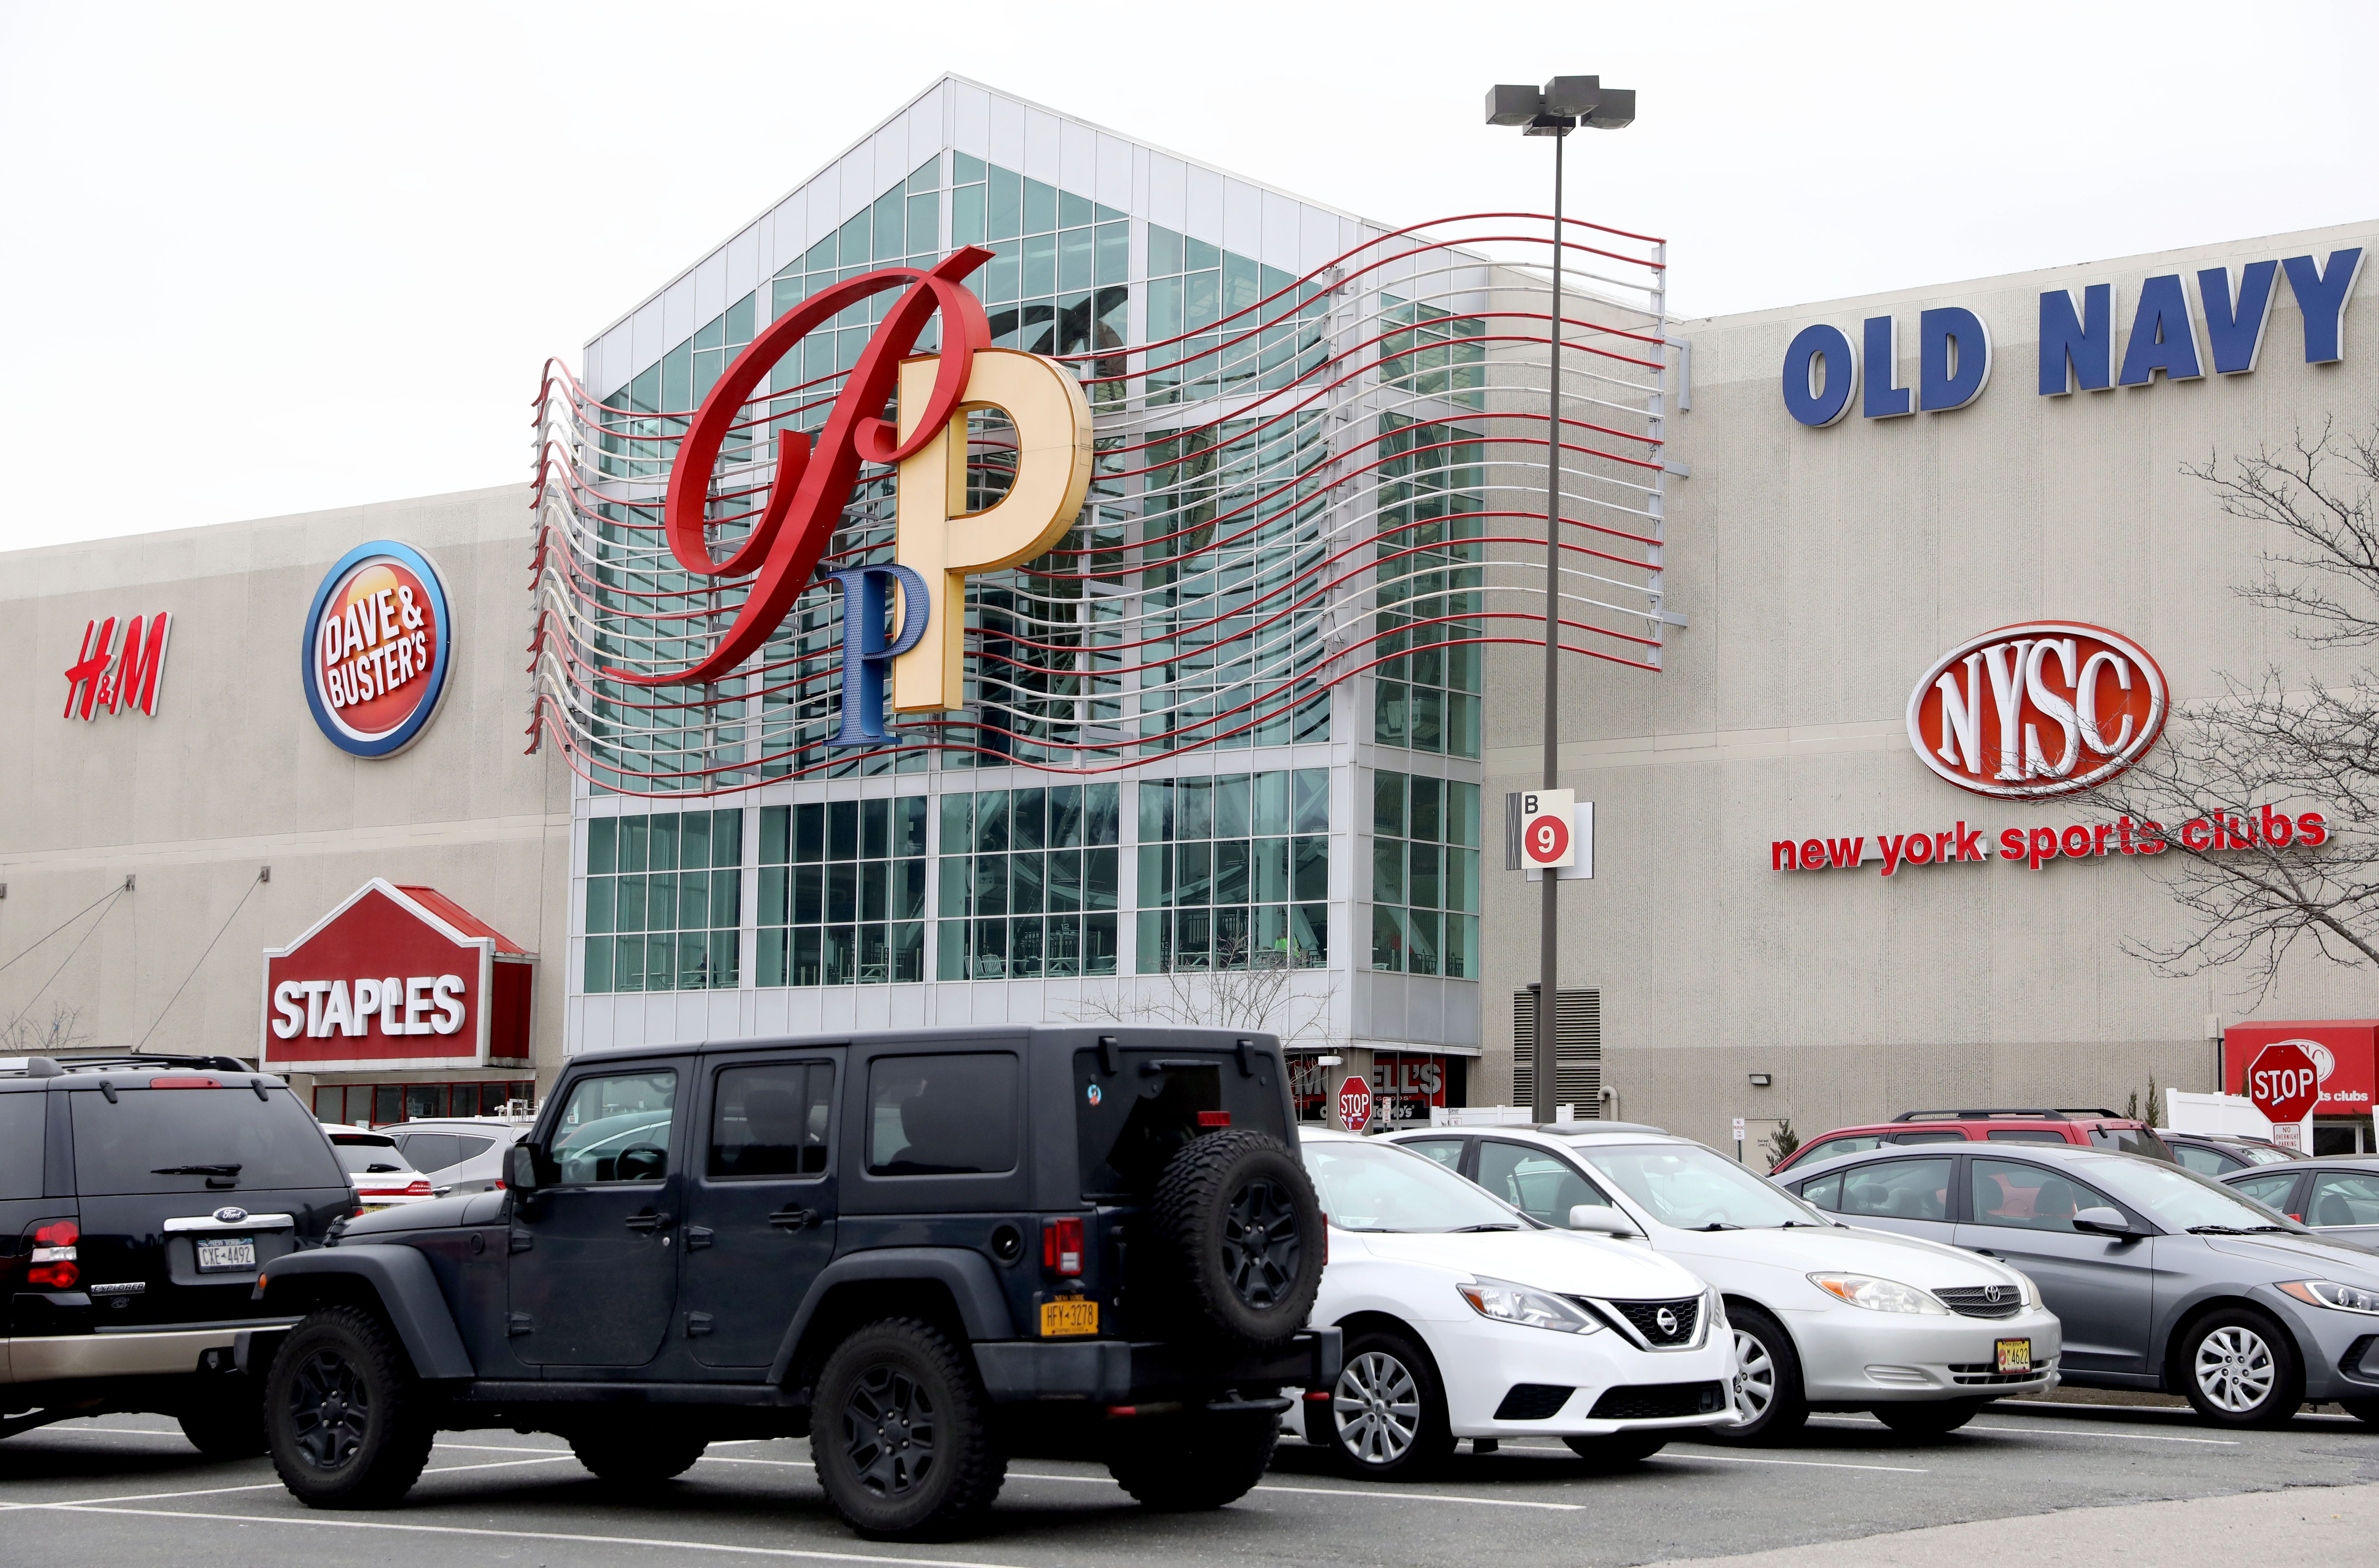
[1666, 1321]
[230, 1215]
[1992, 1292]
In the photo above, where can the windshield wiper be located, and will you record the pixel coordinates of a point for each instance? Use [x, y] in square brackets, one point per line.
[231, 1170]
[1499, 1225]
[2234, 1230]
[1717, 1224]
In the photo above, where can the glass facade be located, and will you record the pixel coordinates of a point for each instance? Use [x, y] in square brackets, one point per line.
[842, 893]
[1425, 876]
[1427, 694]
[664, 901]
[1234, 871]
[1028, 883]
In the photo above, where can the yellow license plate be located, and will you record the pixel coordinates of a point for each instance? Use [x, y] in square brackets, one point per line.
[1078, 1315]
[2016, 1354]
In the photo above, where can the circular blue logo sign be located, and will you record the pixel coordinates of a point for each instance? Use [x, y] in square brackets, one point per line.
[379, 647]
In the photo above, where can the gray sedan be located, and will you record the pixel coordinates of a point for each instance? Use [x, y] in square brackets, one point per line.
[2336, 1197]
[2166, 1281]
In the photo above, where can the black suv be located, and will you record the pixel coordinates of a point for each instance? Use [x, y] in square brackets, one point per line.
[928, 1251]
[140, 1196]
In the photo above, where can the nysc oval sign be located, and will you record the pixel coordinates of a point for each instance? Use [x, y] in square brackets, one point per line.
[2048, 707]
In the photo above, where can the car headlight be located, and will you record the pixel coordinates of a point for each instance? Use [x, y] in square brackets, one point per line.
[1509, 1303]
[1879, 1295]
[2024, 1281]
[2329, 1293]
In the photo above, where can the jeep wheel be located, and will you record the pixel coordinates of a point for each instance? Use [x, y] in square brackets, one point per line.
[1243, 1225]
[1179, 1465]
[900, 1433]
[230, 1424]
[633, 1459]
[349, 1423]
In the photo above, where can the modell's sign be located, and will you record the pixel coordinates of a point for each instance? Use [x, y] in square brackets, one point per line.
[2045, 709]
[397, 977]
[379, 648]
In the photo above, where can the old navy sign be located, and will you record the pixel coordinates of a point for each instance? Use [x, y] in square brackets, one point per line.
[938, 543]
[2181, 328]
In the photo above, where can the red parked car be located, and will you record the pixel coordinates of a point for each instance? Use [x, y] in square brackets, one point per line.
[2099, 1128]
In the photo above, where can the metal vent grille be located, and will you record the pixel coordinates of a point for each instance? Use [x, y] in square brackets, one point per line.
[1578, 1050]
[1655, 1402]
[1983, 1300]
[1533, 1402]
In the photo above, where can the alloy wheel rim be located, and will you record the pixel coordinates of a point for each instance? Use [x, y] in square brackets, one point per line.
[1261, 1248]
[888, 1431]
[2236, 1370]
[330, 1406]
[1376, 1408]
[1755, 1378]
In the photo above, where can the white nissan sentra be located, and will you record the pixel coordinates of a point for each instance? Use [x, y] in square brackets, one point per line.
[1824, 1317]
[1464, 1318]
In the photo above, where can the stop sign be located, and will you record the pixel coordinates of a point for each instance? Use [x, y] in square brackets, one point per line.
[2283, 1082]
[1355, 1102]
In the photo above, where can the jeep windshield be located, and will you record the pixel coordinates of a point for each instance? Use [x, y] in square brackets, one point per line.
[1131, 1121]
[1378, 1187]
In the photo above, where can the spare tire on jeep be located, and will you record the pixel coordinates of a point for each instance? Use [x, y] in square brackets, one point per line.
[1241, 1229]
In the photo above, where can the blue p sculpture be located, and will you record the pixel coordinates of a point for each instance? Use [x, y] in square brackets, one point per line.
[866, 655]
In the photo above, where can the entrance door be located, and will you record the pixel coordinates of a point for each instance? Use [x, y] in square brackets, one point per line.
[2102, 1288]
[761, 1221]
[598, 1281]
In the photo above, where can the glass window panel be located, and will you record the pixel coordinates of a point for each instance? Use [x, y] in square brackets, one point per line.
[635, 836]
[809, 958]
[1040, 267]
[1065, 816]
[874, 890]
[1156, 875]
[776, 835]
[874, 829]
[1201, 300]
[1039, 207]
[1461, 726]
[1460, 960]
[1007, 203]
[1310, 790]
[991, 884]
[1389, 713]
[1061, 946]
[1114, 252]
[909, 826]
[925, 227]
[1462, 813]
[991, 949]
[1421, 876]
[1427, 820]
[1065, 888]
[660, 962]
[1099, 878]
[991, 822]
[1074, 269]
[694, 838]
[1388, 803]
[1388, 871]
[842, 893]
[809, 831]
[740, 317]
[1231, 938]
[1309, 935]
[1193, 937]
[1194, 809]
[1028, 819]
[1272, 934]
[958, 879]
[1421, 937]
[1101, 809]
[842, 830]
[1232, 816]
[1155, 813]
[950, 942]
[770, 956]
[1163, 251]
[1311, 860]
[1231, 871]
[1165, 316]
[909, 952]
[1428, 719]
[966, 215]
[838, 955]
[1194, 872]
[693, 960]
[1099, 944]
[1024, 873]
[601, 891]
[693, 897]
[598, 966]
[664, 842]
[661, 902]
[1387, 937]
[908, 890]
[1272, 803]
[875, 955]
[631, 912]
[602, 844]
[1268, 876]
[1023, 949]
[958, 825]
[809, 894]
[627, 963]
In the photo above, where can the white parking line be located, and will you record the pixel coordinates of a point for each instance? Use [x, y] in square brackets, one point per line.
[1805, 1463]
[323, 1522]
[2055, 1432]
[542, 1458]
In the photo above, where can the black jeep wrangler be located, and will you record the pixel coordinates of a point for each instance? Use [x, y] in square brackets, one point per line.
[928, 1251]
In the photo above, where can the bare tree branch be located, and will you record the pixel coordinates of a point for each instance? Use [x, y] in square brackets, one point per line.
[61, 1030]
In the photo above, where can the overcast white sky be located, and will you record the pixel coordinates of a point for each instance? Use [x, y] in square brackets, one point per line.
[260, 258]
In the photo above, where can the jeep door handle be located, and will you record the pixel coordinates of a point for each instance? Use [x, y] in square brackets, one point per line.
[648, 1221]
[793, 1218]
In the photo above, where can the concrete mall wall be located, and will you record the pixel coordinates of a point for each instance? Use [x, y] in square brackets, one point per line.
[231, 774]
[1823, 571]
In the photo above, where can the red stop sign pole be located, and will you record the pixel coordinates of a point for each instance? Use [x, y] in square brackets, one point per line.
[1355, 1102]
[2284, 1084]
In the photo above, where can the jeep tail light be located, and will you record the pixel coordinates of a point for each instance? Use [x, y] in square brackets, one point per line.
[54, 1260]
[1061, 1245]
[184, 1083]
[1212, 1118]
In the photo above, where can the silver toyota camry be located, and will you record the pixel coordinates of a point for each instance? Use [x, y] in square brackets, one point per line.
[2166, 1281]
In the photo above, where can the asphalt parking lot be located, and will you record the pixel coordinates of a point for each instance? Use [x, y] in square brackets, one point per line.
[127, 1489]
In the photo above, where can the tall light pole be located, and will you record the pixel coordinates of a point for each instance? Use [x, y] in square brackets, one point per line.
[1560, 108]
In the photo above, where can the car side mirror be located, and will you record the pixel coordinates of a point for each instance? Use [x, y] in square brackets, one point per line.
[2102, 1220]
[1603, 1221]
[520, 1172]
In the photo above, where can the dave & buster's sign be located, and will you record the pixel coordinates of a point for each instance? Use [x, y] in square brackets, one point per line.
[397, 977]
[379, 648]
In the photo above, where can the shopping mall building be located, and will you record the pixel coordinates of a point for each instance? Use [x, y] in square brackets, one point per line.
[1232, 745]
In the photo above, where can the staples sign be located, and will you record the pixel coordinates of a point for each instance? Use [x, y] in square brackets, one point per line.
[397, 977]
[2045, 709]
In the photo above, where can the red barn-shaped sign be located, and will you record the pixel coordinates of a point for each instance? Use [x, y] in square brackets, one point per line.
[397, 977]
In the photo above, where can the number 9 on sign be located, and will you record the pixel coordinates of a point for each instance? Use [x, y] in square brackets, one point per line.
[1547, 841]
[1547, 836]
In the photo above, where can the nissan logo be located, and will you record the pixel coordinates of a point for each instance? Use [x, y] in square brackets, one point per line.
[1666, 1321]
[230, 1215]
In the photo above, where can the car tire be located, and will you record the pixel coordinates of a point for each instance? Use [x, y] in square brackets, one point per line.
[1618, 1451]
[2239, 1368]
[349, 1424]
[1242, 1229]
[1385, 1418]
[636, 1459]
[1767, 1380]
[1937, 1418]
[230, 1424]
[1183, 1464]
[895, 1391]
